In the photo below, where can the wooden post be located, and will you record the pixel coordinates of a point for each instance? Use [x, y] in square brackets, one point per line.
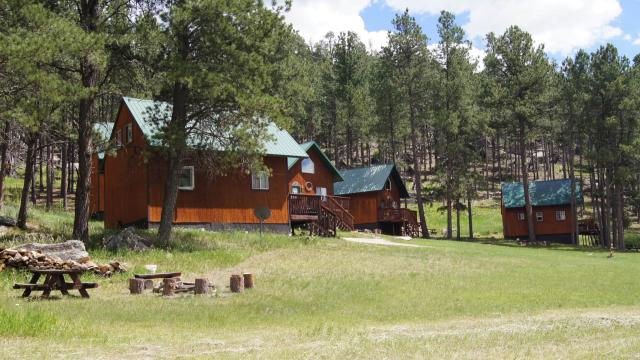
[136, 286]
[236, 284]
[248, 280]
[169, 286]
[201, 287]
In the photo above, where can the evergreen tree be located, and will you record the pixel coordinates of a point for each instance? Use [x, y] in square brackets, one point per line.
[520, 73]
[411, 59]
[219, 67]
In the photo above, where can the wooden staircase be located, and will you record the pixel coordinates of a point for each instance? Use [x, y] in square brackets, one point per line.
[323, 215]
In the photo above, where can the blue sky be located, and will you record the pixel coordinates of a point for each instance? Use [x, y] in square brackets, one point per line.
[562, 25]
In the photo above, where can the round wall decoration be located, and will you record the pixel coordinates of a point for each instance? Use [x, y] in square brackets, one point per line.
[308, 185]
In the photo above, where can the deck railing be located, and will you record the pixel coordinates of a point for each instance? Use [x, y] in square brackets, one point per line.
[311, 205]
[396, 215]
[302, 204]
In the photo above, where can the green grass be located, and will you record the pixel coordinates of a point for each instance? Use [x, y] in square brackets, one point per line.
[328, 298]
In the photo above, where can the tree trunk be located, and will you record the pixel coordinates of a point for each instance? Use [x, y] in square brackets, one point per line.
[90, 72]
[458, 219]
[26, 184]
[574, 212]
[525, 182]
[619, 210]
[40, 151]
[4, 146]
[49, 178]
[174, 161]
[470, 215]
[63, 175]
[449, 215]
[416, 174]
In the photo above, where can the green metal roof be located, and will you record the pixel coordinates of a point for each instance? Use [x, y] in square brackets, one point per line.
[104, 131]
[542, 193]
[308, 146]
[367, 179]
[146, 111]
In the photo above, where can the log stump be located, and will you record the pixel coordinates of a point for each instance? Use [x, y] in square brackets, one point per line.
[169, 286]
[136, 286]
[201, 287]
[236, 284]
[248, 280]
[148, 283]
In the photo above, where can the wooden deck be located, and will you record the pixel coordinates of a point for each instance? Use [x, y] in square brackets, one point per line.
[396, 215]
[309, 208]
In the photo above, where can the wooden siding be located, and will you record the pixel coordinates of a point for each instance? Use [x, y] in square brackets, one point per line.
[513, 227]
[223, 199]
[322, 176]
[125, 180]
[364, 206]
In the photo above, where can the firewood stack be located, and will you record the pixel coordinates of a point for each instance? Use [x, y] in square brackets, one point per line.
[33, 259]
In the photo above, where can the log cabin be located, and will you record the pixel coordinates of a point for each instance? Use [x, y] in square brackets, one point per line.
[135, 177]
[551, 203]
[375, 194]
[102, 132]
[311, 195]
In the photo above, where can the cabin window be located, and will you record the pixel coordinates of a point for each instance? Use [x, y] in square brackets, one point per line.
[296, 188]
[561, 215]
[521, 216]
[118, 138]
[260, 181]
[186, 179]
[307, 166]
[387, 185]
[322, 191]
[129, 132]
[539, 216]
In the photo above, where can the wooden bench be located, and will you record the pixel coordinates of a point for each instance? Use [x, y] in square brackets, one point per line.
[55, 281]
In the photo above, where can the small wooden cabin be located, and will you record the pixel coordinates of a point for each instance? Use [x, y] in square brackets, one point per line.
[135, 177]
[96, 193]
[311, 195]
[551, 203]
[375, 194]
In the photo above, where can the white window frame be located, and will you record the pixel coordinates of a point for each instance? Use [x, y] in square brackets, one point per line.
[539, 216]
[322, 191]
[260, 180]
[118, 137]
[521, 216]
[561, 215]
[297, 185]
[129, 133]
[191, 170]
[310, 166]
[387, 184]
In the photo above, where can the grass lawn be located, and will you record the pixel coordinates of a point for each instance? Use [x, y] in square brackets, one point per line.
[328, 298]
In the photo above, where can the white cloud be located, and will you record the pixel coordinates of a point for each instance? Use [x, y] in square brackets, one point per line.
[315, 18]
[636, 41]
[562, 25]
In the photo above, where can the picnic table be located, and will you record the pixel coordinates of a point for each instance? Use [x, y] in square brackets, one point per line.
[54, 280]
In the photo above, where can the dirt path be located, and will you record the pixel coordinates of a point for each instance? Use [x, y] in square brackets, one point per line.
[379, 241]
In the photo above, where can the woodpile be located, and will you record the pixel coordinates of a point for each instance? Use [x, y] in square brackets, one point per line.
[35, 259]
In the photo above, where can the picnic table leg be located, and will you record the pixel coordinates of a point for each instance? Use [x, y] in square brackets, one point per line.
[34, 280]
[62, 285]
[48, 284]
[78, 283]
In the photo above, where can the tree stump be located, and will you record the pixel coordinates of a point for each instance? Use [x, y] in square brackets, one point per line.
[169, 286]
[236, 284]
[248, 280]
[201, 287]
[148, 284]
[136, 286]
